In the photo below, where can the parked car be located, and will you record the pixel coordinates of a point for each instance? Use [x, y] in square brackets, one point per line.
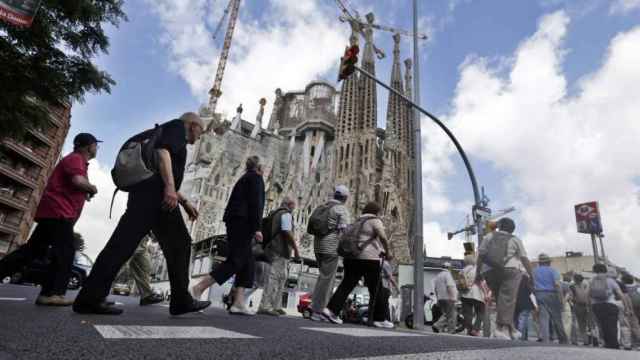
[35, 272]
[304, 305]
[121, 289]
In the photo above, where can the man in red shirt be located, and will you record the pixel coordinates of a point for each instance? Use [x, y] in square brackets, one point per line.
[59, 209]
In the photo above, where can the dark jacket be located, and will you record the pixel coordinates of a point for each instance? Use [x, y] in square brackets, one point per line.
[246, 202]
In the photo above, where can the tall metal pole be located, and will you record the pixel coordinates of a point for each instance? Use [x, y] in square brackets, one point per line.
[604, 256]
[418, 271]
[594, 244]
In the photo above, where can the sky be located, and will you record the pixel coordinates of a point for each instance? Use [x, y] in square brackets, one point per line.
[541, 95]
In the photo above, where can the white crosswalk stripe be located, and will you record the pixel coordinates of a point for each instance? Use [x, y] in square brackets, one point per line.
[167, 332]
[361, 332]
[12, 299]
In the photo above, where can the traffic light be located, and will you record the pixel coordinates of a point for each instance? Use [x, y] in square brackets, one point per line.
[348, 62]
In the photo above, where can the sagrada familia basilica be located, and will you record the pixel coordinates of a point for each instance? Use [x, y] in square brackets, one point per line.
[316, 138]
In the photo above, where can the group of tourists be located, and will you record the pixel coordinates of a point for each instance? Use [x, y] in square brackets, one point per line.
[603, 309]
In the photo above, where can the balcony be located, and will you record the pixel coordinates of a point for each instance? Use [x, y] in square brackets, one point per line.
[7, 228]
[11, 201]
[35, 156]
[41, 136]
[17, 177]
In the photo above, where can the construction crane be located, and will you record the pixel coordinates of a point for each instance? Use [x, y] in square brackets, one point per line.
[353, 17]
[470, 229]
[216, 91]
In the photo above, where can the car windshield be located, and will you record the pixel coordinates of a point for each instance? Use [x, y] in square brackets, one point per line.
[83, 260]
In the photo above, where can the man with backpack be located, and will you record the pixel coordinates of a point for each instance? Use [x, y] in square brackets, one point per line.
[279, 240]
[579, 300]
[326, 223]
[502, 259]
[603, 292]
[152, 205]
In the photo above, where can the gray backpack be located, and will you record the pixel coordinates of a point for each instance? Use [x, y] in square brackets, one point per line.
[136, 161]
[599, 289]
[349, 245]
[495, 253]
[319, 220]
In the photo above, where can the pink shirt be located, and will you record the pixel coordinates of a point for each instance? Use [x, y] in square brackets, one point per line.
[61, 199]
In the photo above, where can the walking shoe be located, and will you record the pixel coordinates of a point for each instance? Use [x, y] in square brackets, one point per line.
[43, 300]
[497, 334]
[151, 299]
[317, 317]
[474, 333]
[281, 312]
[100, 308]
[236, 310]
[53, 300]
[383, 324]
[516, 335]
[193, 306]
[329, 315]
[270, 312]
[435, 329]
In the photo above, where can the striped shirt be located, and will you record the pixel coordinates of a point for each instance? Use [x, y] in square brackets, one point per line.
[338, 220]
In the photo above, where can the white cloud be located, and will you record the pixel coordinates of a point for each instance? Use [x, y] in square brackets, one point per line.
[94, 223]
[624, 6]
[292, 43]
[558, 149]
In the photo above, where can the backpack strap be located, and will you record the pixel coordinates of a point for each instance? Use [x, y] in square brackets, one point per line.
[371, 239]
[113, 197]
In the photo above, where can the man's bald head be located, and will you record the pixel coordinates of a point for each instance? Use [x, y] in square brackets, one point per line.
[194, 126]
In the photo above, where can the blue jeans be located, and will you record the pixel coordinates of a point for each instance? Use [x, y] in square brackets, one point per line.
[550, 315]
[523, 324]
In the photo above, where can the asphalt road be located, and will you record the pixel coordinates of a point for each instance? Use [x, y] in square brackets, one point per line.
[33, 332]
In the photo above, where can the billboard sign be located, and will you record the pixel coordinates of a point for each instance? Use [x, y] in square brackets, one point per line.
[588, 218]
[19, 12]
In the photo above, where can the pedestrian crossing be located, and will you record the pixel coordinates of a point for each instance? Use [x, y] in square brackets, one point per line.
[361, 332]
[12, 299]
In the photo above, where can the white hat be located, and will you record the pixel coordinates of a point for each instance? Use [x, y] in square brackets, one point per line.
[342, 190]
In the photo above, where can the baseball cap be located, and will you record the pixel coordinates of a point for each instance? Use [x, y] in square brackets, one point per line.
[342, 190]
[84, 139]
[544, 258]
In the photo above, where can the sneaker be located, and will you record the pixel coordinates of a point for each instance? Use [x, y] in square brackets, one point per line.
[281, 312]
[474, 333]
[53, 300]
[235, 310]
[516, 335]
[435, 329]
[317, 317]
[329, 315]
[498, 334]
[383, 324]
[100, 308]
[269, 312]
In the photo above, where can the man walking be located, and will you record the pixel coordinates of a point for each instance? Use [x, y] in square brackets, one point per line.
[549, 297]
[279, 252]
[472, 299]
[502, 260]
[152, 205]
[59, 209]
[326, 250]
[579, 299]
[447, 295]
[140, 270]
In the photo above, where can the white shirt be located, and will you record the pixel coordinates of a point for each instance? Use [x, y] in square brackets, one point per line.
[442, 282]
[469, 273]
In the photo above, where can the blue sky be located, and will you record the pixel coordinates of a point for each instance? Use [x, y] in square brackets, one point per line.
[164, 61]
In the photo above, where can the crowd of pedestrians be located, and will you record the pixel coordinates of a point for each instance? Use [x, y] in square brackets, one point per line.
[603, 310]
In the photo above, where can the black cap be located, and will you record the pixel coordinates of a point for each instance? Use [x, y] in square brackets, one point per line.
[84, 139]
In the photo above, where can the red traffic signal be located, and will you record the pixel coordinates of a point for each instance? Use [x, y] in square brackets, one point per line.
[348, 62]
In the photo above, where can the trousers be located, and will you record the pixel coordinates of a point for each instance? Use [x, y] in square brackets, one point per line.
[240, 260]
[354, 270]
[327, 266]
[272, 295]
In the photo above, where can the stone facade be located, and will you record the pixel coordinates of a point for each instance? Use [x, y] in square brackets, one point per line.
[315, 139]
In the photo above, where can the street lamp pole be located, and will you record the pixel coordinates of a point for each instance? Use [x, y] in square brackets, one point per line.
[418, 239]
